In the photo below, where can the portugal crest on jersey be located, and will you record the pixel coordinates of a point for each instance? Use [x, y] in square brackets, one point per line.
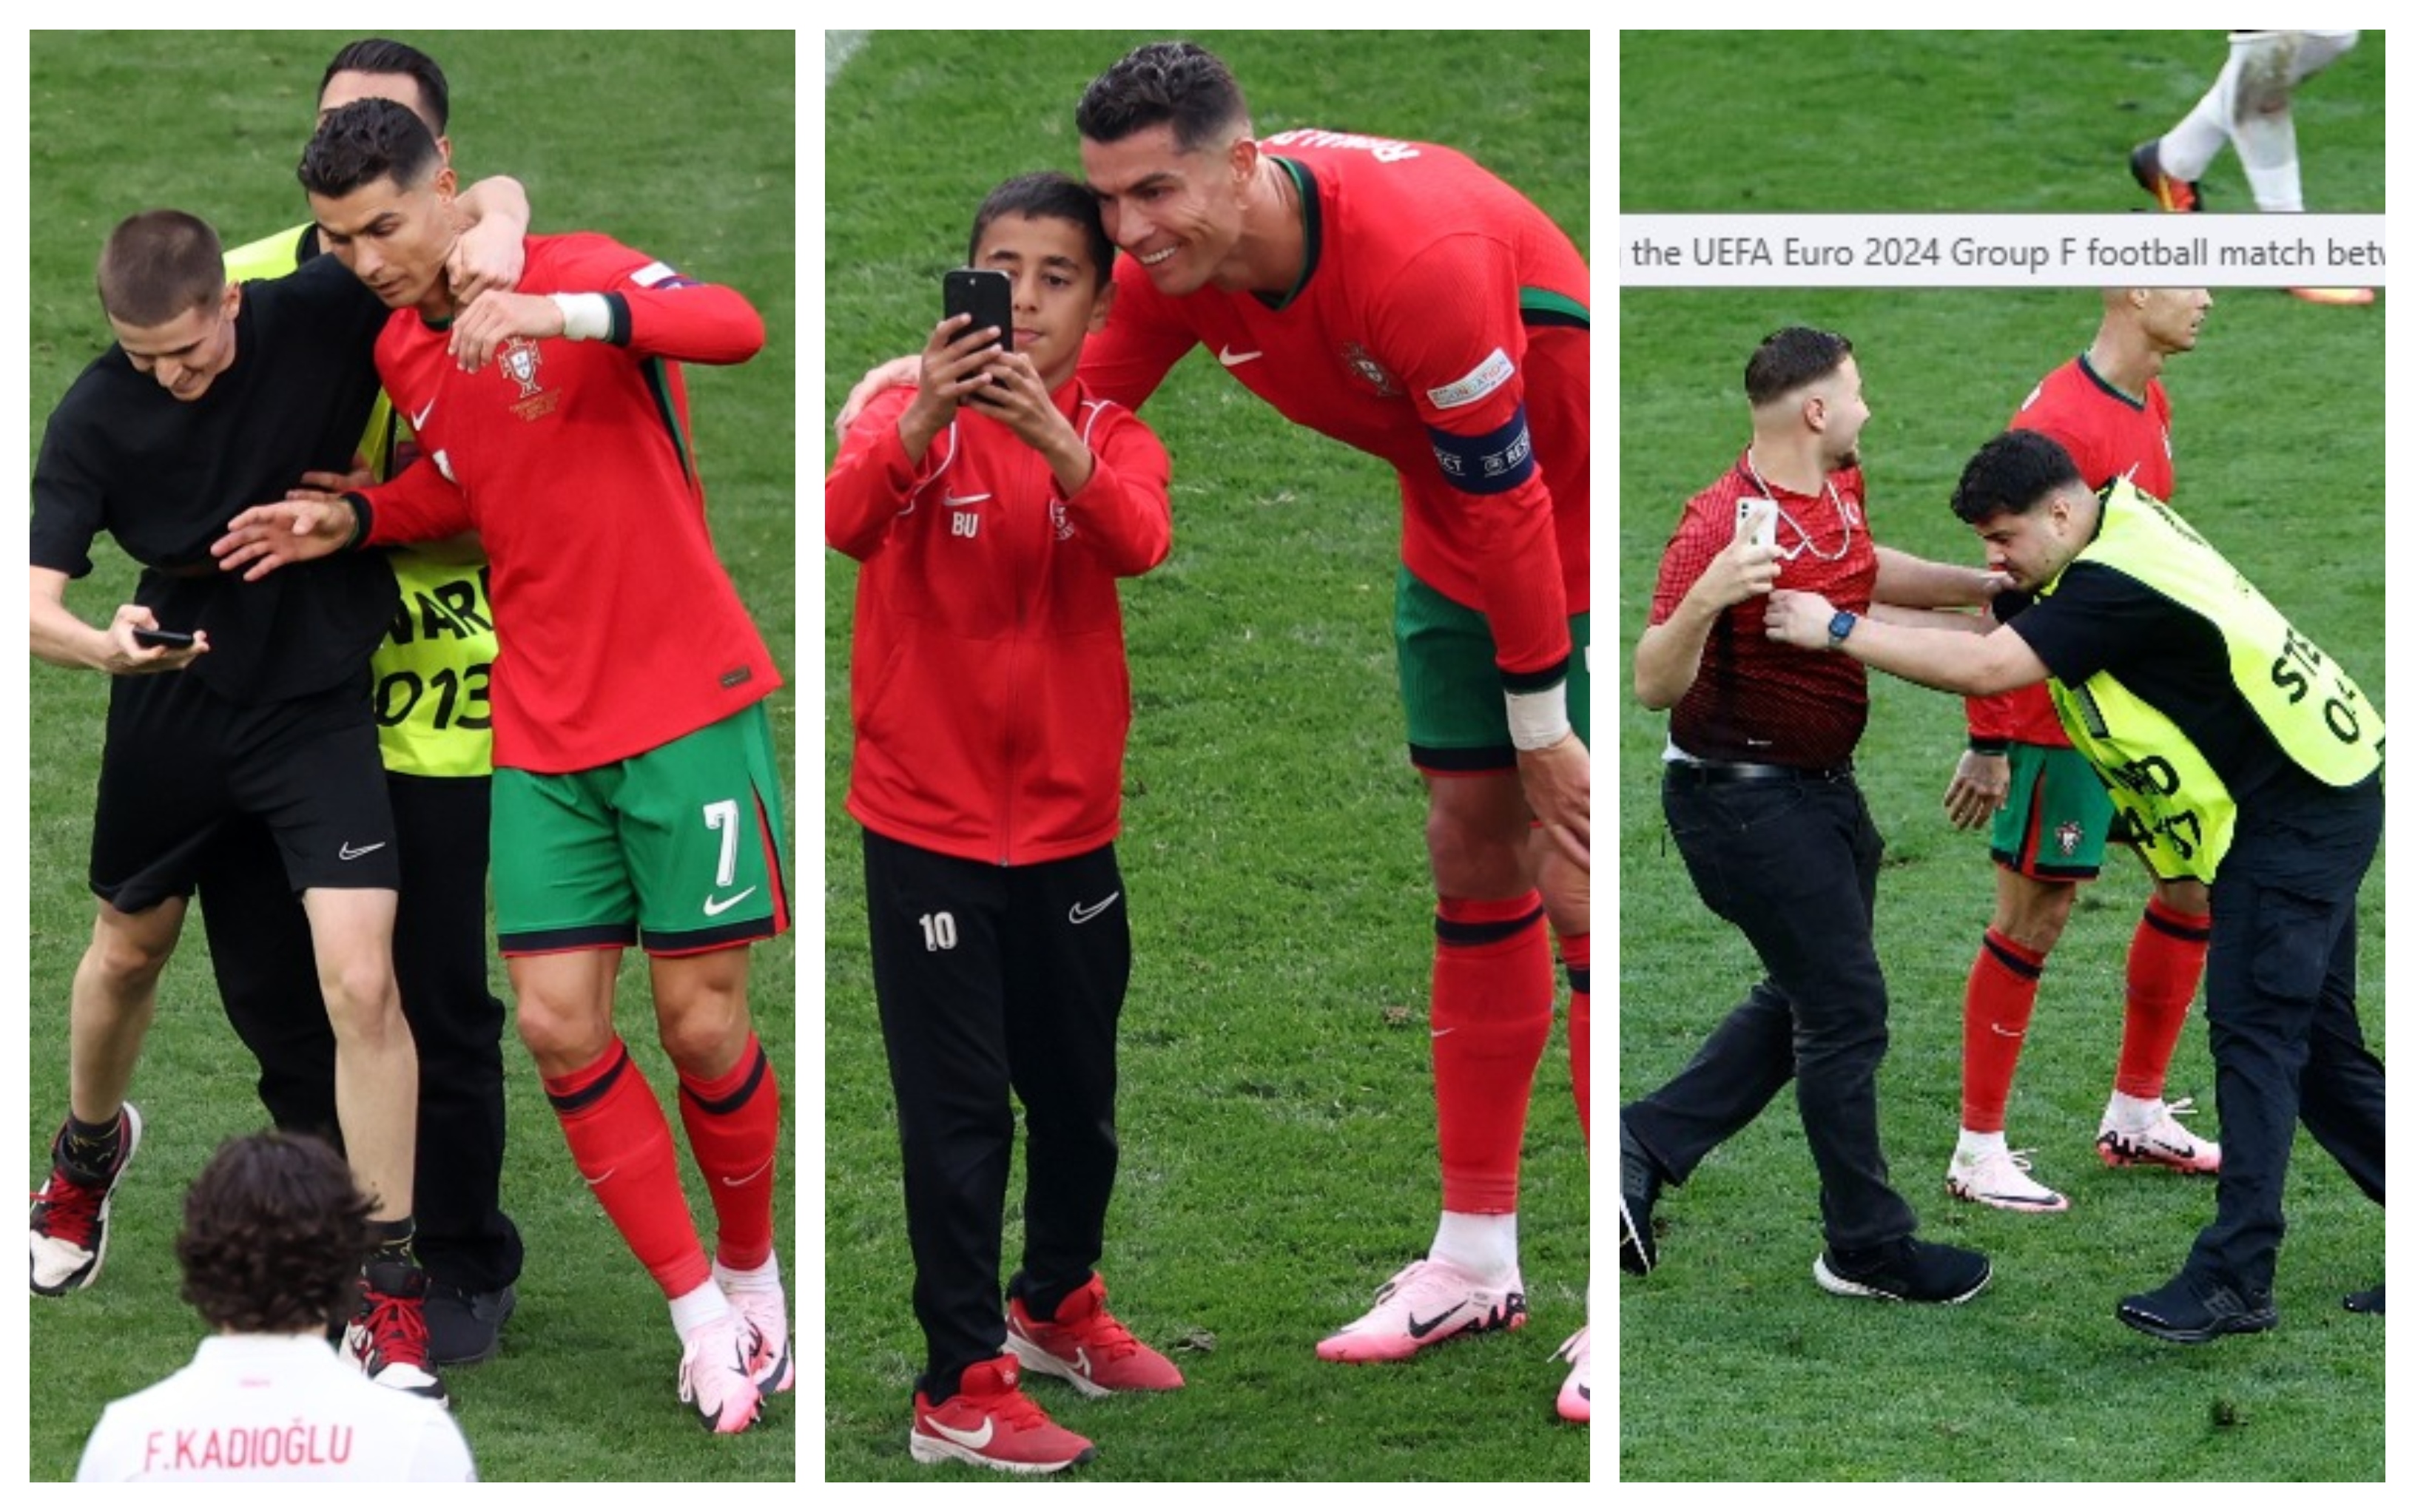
[1370, 372]
[518, 359]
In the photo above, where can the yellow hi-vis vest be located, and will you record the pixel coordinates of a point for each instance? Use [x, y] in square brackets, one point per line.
[433, 668]
[2181, 813]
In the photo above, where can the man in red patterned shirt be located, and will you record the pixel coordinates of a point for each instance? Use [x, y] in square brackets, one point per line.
[1760, 793]
[2051, 818]
[636, 799]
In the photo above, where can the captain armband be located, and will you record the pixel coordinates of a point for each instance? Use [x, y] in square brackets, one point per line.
[1494, 462]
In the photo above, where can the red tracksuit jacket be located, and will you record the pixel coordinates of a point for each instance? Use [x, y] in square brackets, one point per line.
[989, 691]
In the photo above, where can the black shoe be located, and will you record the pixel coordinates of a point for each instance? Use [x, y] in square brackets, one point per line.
[1639, 1187]
[2186, 1310]
[1908, 1270]
[465, 1327]
[2363, 1302]
[2147, 166]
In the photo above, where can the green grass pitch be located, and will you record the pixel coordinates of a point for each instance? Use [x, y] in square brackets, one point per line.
[1276, 1110]
[680, 144]
[1732, 1363]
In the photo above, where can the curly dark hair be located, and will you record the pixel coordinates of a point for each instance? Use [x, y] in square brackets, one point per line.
[367, 141]
[1161, 81]
[275, 1234]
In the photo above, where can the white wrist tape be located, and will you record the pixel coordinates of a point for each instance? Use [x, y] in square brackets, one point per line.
[1538, 720]
[584, 316]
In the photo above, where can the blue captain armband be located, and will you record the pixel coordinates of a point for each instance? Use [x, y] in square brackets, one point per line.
[1494, 462]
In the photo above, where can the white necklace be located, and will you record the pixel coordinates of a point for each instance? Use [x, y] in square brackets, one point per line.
[1802, 536]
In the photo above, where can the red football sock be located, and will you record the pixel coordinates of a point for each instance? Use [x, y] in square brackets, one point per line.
[2166, 960]
[622, 1145]
[1491, 1014]
[1996, 1007]
[733, 1126]
[1576, 953]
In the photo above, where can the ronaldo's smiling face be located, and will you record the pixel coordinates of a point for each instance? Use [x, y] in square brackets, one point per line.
[1177, 214]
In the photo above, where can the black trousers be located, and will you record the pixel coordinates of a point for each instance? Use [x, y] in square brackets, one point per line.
[260, 948]
[996, 979]
[2280, 1011]
[1793, 863]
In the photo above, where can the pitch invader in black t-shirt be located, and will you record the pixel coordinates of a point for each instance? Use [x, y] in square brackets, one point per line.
[216, 395]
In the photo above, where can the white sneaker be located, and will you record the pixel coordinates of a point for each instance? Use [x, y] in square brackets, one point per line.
[2000, 1179]
[1429, 1301]
[714, 1377]
[2161, 1142]
[1576, 1397]
[67, 1227]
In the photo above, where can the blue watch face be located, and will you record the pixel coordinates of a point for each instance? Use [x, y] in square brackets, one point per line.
[1843, 625]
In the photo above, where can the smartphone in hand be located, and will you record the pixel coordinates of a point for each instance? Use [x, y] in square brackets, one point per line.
[172, 639]
[984, 293]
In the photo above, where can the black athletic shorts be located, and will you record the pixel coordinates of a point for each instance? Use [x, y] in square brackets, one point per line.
[180, 761]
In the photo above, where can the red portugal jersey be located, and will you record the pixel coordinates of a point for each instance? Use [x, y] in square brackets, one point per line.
[1440, 323]
[620, 629]
[1754, 700]
[2110, 435]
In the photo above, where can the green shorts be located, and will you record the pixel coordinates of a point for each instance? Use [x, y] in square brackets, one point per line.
[683, 848]
[1451, 685]
[2055, 818]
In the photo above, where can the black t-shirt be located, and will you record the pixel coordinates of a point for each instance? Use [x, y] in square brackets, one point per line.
[2100, 618]
[163, 476]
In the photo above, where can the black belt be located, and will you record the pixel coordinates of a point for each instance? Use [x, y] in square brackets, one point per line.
[1704, 774]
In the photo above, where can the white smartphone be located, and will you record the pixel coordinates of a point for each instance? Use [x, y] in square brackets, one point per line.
[1758, 518]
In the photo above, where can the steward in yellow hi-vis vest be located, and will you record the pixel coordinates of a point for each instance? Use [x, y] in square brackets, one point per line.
[2181, 811]
[433, 668]
[2246, 758]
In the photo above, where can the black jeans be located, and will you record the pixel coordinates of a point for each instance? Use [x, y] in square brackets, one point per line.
[2280, 1009]
[259, 948]
[997, 980]
[1793, 863]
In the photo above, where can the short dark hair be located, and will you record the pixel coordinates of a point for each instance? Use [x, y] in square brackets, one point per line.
[275, 1233]
[1159, 81]
[378, 54]
[1048, 197]
[367, 141]
[2012, 474]
[158, 264]
[1788, 359]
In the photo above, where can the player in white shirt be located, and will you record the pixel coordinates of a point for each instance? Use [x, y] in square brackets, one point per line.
[274, 1235]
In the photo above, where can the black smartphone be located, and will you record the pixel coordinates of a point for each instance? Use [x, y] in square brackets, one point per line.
[987, 295]
[172, 639]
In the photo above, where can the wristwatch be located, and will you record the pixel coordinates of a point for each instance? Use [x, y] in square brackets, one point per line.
[1840, 626]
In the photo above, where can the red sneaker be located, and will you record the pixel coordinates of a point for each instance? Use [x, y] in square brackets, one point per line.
[1086, 1346]
[989, 1422]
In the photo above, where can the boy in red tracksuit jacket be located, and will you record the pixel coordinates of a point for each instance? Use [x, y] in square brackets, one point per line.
[993, 508]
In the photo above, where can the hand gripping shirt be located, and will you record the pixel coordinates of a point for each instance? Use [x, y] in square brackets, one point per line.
[619, 629]
[1440, 323]
[990, 692]
[2109, 435]
[273, 1407]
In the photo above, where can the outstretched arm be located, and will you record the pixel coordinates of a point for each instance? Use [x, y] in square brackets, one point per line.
[61, 637]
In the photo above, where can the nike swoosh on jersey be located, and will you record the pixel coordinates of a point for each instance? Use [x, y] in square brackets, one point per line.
[419, 420]
[1233, 359]
[1079, 915]
[955, 502]
[349, 852]
[714, 908]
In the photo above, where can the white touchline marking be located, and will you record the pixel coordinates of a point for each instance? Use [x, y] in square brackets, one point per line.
[837, 47]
